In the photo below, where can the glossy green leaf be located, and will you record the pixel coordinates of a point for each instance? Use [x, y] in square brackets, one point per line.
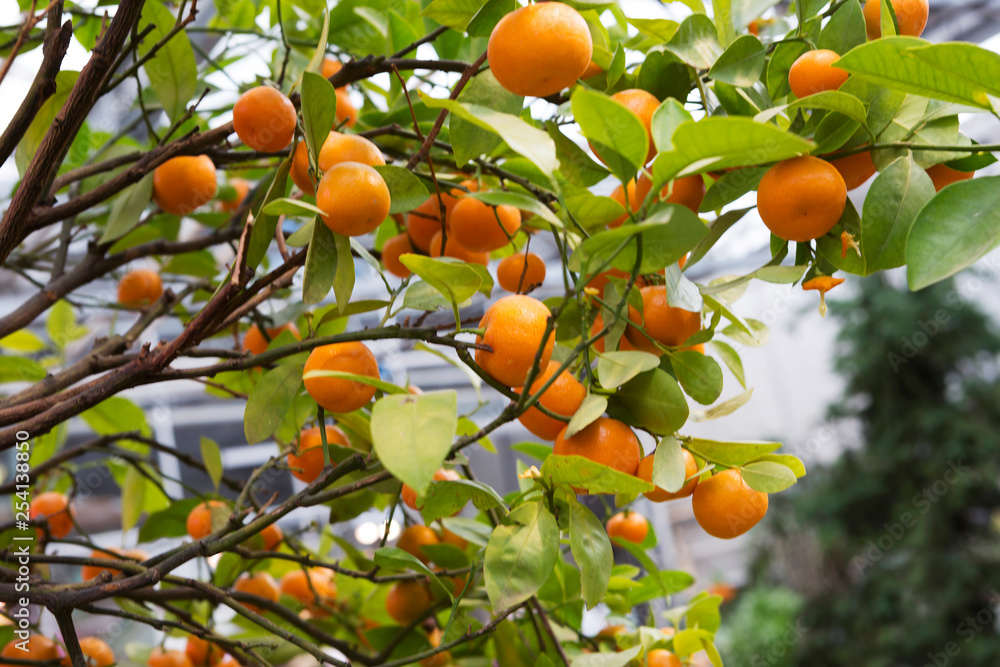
[453, 13]
[722, 409]
[666, 119]
[830, 100]
[782, 58]
[61, 324]
[405, 190]
[616, 134]
[319, 111]
[343, 279]
[895, 198]
[593, 406]
[468, 139]
[486, 19]
[169, 522]
[656, 400]
[768, 476]
[393, 558]
[212, 458]
[615, 368]
[321, 264]
[264, 225]
[116, 414]
[173, 71]
[133, 491]
[455, 280]
[618, 659]
[957, 227]
[845, 30]
[413, 434]
[591, 550]
[445, 498]
[292, 207]
[730, 453]
[32, 139]
[696, 42]
[126, 209]
[270, 400]
[699, 375]
[520, 557]
[741, 64]
[579, 472]
[669, 468]
[20, 369]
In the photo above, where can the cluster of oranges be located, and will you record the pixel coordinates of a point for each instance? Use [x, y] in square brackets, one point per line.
[38, 648]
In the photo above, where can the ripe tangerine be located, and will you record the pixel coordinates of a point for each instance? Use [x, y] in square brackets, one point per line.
[183, 183]
[308, 463]
[628, 525]
[606, 441]
[521, 273]
[139, 287]
[54, 507]
[801, 199]
[725, 506]
[264, 119]
[354, 198]
[659, 495]
[563, 397]
[337, 394]
[514, 328]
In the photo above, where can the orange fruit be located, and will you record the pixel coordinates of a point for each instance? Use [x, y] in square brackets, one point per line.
[300, 169]
[451, 197]
[456, 250]
[337, 394]
[606, 441]
[39, 648]
[943, 175]
[183, 183]
[633, 202]
[480, 227]
[272, 537]
[140, 287]
[260, 584]
[513, 328]
[448, 537]
[659, 495]
[661, 321]
[88, 572]
[521, 273]
[854, 169]
[313, 588]
[623, 344]
[563, 397]
[255, 343]
[202, 653]
[354, 198]
[407, 601]
[54, 507]
[347, 113]
[688, 191]
[441, 659]
[423, 223]
[331, 67]
[414, 538]
[660, 657]
[600, 280]
[725, 591]
[96, 652]
[540, 49]
[642, 104]
[628, 525]
[593, 69]
[754, 27]
[611, 631]
[308, 463]
[409, 495]
[160, 658]
[392, 250]
[264, 119]
[911, 17]
[815, 71]
[338, 147]
[199, 521]
[802, 198]
[726, 507]
[242, 187]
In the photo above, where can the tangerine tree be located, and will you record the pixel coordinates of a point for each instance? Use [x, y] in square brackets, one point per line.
[426, 147]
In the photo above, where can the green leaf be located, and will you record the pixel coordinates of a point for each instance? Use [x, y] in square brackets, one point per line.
[393, 558]
[445, 498]
[292, 207]
[591, 550]
[524, 139]
[116, 415]
[909, 65]
[591, 211]
[669, 468]
[666, 119]
[722, 12]
[32, 139]
[535, 450]
[264, 225]
[343, 279]
[62, 326]
[721, 142]
[319, 111]
[126, 209]
[741, 64]
[731, 358]
[664, 75]
[656, 400]
[957, 227]
[616, 134]
[173, 71]
[469, 140]
[405, 190]
[722, 409]
[895, 198]
[519, 201]
[768, 476]
[19, 369]
[456, 280]
[580, 472]
[619, 659]
[845, 30]
[574, 163]
[667, 235]
[593, 406]
[22, 341]
[412, 435]
[696, 42]
[200, 263]
[784, 55]
[319, 54]
[831, 100]
[212, 458]
[453, 13]
[169, 522]
[616, 368]
[520, 557]
[270, 400]
[726, 190]
[730, 453]
[133, 490]
[888, 25]
[486, 19]
[321, 264]
[699, 374]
